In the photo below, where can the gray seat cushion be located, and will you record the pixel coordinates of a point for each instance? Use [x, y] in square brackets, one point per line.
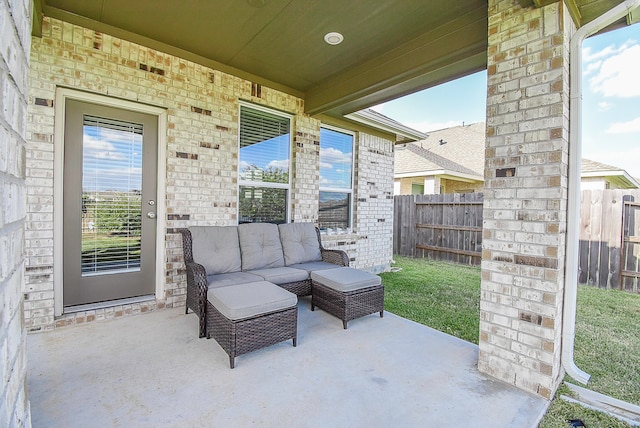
[345, 279]
[299, 243]
[281, 275]
[232, 278]
[216, 248]
[311, 266]
[260, 246]
[248, 300]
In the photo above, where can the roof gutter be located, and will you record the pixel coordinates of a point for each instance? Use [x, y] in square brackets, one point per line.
[385, 124]
[573, 203]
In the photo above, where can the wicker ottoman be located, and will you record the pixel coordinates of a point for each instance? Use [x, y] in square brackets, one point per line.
[347, 293]
[246, 317]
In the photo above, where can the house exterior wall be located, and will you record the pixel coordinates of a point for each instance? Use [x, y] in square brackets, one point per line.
[201, 156]
[525, 195]
[596, 183]
[433, 185]
[403, 185]
[15, 23]
[456, 186]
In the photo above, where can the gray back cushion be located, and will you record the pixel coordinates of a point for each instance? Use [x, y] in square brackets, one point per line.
[260, 246]
[216, 248]
[300, 243]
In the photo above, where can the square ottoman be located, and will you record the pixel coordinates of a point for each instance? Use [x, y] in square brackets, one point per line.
[347, 293]
[246, 317]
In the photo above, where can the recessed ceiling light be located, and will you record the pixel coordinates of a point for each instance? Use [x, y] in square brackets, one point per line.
[333, 38]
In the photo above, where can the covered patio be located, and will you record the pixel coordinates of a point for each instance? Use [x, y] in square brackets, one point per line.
[197, 71]
[155, 372]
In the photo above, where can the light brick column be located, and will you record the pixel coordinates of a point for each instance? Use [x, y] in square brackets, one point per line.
[373, 216]
[525, 197]
[15, 22]
[305, 168]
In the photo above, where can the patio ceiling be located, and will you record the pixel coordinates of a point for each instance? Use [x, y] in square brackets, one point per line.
[391, 48]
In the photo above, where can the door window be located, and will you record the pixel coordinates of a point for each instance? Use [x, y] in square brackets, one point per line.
[111, 195]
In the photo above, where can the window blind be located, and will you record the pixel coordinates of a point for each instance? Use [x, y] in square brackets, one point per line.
[111, 195]
[265, 145]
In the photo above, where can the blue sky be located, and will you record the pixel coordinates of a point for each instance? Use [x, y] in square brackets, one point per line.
[611, 101]
[273, 153]
[112, 160]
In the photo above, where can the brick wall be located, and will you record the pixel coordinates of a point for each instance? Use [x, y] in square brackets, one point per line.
[446, 185]
[370, 245]
[525, 195]
[374, 208]
[202, 153]
[15, 26]
[455, 186]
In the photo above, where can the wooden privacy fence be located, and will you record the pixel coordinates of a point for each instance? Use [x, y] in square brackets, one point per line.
[449, 227]
[610, 239]
[442, 227]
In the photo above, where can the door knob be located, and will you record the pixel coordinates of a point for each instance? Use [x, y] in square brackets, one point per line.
[151, 215]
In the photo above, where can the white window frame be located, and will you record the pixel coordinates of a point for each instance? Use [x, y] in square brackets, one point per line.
[286, 186]
[350, 191]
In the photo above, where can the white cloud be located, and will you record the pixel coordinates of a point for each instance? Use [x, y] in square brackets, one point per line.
[604, 106]
[617, 75]
[591, 68]
[279, 164]
[116, 136]
[624, 127]
[325, 165]
[101, 149]
[121, 179]
[334, 156]
[588, 55]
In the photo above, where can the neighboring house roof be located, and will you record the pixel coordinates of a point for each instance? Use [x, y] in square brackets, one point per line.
[618, 176]
[457, 151]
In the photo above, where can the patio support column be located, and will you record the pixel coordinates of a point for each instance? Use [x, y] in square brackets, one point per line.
[305, 170]
[525, 197]
[15, 45]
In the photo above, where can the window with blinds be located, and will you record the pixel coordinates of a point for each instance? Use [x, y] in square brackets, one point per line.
[263, 171]
[111, 196]
[336, 180]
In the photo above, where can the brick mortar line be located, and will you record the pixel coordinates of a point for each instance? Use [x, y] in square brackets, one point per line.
[9, 74]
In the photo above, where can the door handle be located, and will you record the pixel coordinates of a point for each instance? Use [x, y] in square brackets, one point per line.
[151, 215]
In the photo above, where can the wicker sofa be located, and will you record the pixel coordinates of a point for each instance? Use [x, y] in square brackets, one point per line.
[229, 256]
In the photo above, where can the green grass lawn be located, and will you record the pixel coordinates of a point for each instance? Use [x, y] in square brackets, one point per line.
[446, 297]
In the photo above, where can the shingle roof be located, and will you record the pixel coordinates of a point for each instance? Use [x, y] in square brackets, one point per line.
[457, 149]
[589, 165]
[460, 149]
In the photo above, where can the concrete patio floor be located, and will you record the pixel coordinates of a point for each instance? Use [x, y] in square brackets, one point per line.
[151, 370]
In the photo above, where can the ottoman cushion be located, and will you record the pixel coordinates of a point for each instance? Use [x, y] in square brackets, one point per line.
[345, 279]
[251, 299]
